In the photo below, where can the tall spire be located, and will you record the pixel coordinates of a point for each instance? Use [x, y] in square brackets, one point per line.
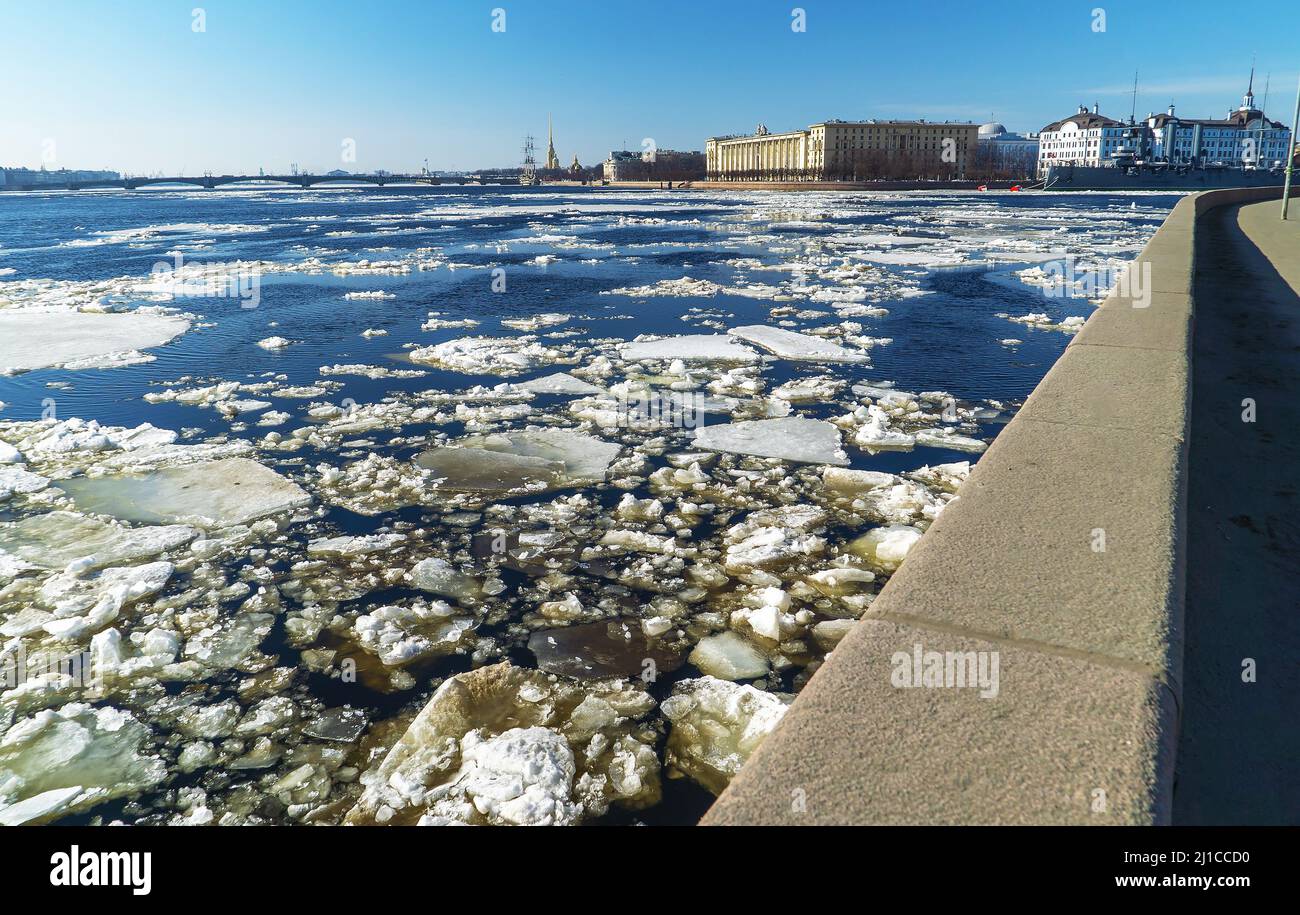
[1248, 100]
[552, 160]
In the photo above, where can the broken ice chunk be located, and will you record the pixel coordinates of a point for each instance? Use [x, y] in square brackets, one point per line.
[559, 383]
[946, 438]
[874, 433]
[500, 745]
[522, 777]
[476, 470]
[99, 752]
[716, 725]
[584, 457]
[16, 480]
[401, 635]
[855, 482]
[790, 438]
[773, 537]
[55, 540]
[886, 547]
[437, 576]
[690, 347]
[791, 345]
[486, 355]
[729, 656]
[354, 546]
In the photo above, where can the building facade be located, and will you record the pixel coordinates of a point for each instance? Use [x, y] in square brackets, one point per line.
[658, 165]
[1001, 153]
[844, 151]
[27, 177]
[1245, 138]
[1084, 138]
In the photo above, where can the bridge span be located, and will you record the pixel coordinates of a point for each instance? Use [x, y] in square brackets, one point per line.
[302, 180]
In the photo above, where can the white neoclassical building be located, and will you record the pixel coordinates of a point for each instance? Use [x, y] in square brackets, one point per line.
[1245, 138]
[1084, 138]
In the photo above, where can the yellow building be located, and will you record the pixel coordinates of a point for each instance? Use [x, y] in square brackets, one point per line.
[844, 151]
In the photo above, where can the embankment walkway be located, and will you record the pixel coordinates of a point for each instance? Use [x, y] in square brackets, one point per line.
[1239, 752]
[1065, 562]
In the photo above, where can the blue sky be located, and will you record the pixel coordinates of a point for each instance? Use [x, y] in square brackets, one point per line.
[130, 85]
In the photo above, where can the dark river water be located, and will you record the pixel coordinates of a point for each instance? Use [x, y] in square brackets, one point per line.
[922, 284]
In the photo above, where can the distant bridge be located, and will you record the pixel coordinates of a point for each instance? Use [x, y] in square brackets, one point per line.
[213, 181]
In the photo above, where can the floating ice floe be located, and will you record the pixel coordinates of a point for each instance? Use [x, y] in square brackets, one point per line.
[73, 604]
[536, 322]
[559, 383]
[716, 726]
[684, 286]
[16, 480]
[774, 537]
[32, 340]
[823, 388]
[1043, 321]
[729, 656]
[66, 540]
[504, 745]
[947, 438]
[61, 761]
[215, 494]
[487, 355]
[947, 477]
[459, 469]
[886, 547]
[274, 342]
[584, 457]
[403, 635]
[370, 371]
[354, 546]
[691, 347]
[790, 345]
[790, 438]
[609, 648]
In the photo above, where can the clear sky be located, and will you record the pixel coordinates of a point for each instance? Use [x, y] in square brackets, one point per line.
[132, 85]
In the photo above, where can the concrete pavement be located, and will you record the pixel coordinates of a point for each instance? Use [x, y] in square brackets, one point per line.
[1239, 752]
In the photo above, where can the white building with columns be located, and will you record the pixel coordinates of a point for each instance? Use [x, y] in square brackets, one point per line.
[1243, 139]
[844, 151]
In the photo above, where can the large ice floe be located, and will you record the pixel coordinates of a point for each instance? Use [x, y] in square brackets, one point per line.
[791, 438]
[790, 345]
[31, 339]
[212, 494]
[341, 581]
[690, 348]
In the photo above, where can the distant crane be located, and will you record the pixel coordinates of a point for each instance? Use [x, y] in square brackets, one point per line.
[528, 175]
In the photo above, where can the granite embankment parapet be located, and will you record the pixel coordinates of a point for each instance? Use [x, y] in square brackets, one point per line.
[1063, 559]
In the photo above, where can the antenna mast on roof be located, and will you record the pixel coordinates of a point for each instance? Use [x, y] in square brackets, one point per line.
[1132, 114]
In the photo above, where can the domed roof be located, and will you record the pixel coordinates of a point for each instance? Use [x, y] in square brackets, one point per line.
[992, 129]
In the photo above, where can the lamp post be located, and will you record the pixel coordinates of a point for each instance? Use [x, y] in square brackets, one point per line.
[1290, 155]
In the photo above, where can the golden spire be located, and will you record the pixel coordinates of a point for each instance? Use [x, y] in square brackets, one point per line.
[552, 160]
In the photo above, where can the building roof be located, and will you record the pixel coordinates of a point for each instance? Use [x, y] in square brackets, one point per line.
[991, 129]
[1239, 118]
[1084, 120]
